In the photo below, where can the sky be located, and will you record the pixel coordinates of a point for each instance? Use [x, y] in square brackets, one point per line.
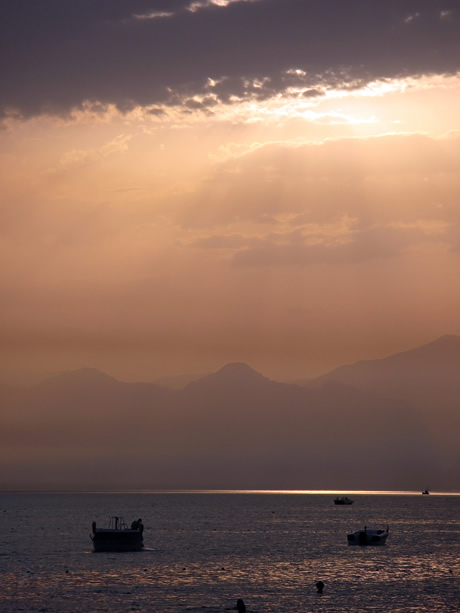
[187, 183]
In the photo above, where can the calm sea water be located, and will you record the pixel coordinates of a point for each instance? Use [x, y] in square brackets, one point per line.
[203, 551]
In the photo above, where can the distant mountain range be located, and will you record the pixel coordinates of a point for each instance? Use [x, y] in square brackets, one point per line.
[379, 424]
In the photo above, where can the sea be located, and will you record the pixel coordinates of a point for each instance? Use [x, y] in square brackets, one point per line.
[205, 550]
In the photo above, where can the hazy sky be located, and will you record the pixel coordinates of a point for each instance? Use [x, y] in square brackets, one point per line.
[188, 183]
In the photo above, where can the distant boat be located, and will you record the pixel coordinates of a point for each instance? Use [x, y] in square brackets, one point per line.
[118, 536]
[368, 537]
[343, 500]
[426, 493]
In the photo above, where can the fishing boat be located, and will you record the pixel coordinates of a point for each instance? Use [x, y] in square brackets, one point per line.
[343, 500]
[118, 536]
[425, 492]
[368, 537]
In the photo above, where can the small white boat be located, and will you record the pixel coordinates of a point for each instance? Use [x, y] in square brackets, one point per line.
[368, 537]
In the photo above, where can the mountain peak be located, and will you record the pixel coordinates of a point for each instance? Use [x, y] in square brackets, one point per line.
[445, 347]
[447, 340]
[424, 376]
[234, 374]
[238, 369]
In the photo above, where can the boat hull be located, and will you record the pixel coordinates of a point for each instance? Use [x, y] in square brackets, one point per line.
[368, 537]
[343, 501]
[117, 540]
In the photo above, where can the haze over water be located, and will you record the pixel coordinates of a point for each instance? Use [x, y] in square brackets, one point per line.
[205, 550]
[389, 424]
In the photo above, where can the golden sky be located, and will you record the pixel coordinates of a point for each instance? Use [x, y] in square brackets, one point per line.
[290, 219]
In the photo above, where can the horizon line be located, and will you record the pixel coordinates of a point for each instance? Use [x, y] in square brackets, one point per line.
[234, 491]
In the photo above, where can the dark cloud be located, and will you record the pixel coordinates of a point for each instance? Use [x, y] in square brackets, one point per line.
[57, 54]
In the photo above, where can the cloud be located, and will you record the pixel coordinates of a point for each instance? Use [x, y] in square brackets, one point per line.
[153, 52]
[340, 244]
[77, 157]
[337, 203]
[361, 246]
[154, 15]
[447, 15]
[377, 180]
[197, 5]
[412, 18]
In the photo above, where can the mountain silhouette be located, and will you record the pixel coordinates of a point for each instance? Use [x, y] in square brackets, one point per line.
[235, 372]
[356, 428]
[430, 367]
[233, 380]
[426, 378]
[81, 377]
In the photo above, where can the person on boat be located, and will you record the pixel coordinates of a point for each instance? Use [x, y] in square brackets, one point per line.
[137, 525]
[94, 527]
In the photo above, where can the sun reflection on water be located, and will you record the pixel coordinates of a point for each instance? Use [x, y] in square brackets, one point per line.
[202, 552]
